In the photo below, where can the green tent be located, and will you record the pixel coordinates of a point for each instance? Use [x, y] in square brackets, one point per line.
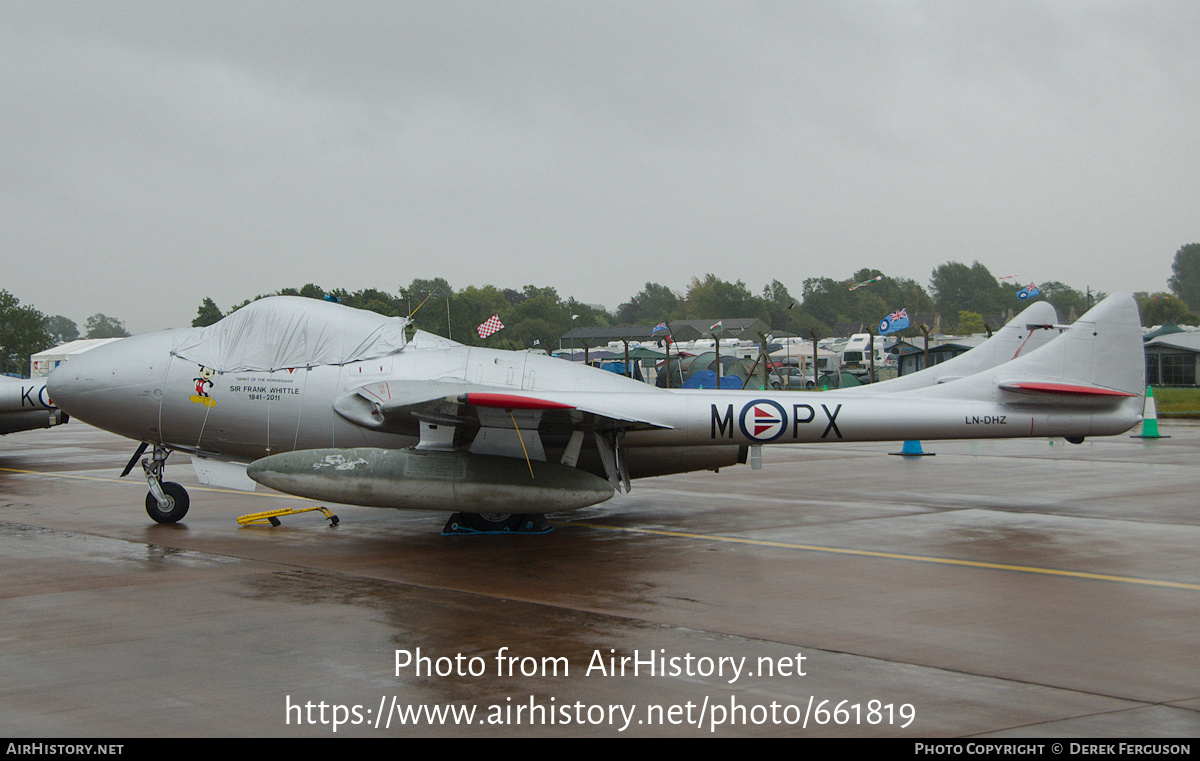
[641, 353]
[1166, 329]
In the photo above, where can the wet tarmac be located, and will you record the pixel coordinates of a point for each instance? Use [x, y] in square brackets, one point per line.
[998, 589]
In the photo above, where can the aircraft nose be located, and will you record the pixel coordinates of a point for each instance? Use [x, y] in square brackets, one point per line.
[114, 386]
[78, 377]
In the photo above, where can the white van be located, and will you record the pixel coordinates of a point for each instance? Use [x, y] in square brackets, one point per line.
[856, 357]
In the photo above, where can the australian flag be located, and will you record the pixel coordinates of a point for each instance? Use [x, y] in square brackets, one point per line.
[897, 320]
[662, 331]
[1028, 292]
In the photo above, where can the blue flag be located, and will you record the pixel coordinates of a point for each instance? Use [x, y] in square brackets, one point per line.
[897, 320]
[1028, 292]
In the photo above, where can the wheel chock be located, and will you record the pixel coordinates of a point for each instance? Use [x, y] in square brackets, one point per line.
[272, 516]
[531, 523]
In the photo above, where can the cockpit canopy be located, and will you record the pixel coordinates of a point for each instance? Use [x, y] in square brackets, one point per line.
[292, 331]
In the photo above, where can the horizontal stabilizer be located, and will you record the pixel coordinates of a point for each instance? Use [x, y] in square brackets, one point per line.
[1067, 389]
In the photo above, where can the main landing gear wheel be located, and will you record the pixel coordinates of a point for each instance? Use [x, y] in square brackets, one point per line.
[496, 523]
[176, 507]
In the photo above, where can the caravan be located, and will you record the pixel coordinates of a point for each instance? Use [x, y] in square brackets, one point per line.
[794, 365]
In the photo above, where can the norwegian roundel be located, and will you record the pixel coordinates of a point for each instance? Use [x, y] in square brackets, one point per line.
[763, 420]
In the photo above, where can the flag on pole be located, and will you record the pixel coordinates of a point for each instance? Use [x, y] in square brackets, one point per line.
[716, 327]
[1028, 292]
[489, 326]
[660, 328]
[897, 320]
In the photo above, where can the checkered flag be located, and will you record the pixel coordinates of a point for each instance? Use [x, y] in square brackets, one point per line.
[489, 326]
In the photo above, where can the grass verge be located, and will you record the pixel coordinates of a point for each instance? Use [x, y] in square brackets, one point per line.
[1177, 402]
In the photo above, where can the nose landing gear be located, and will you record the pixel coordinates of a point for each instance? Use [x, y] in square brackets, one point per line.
[167, 502]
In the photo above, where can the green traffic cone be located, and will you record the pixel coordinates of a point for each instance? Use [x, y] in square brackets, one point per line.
[1149, 419]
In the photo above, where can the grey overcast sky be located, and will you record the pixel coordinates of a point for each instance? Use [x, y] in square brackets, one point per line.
[152, 154]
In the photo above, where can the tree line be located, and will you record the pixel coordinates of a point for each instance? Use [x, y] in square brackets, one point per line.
[964, 297]
[24, 331]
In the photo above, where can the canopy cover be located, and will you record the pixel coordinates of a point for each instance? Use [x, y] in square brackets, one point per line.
[292, 331]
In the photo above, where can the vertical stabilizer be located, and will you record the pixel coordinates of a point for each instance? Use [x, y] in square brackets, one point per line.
[1099, 356]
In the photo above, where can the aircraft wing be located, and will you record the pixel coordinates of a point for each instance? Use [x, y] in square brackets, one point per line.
[399, 404]
[444, 413]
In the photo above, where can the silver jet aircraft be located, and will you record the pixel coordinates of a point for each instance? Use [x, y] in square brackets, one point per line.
[25, 405]
[337, 404]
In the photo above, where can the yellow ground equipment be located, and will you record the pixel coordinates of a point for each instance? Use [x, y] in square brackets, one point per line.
[272, 516]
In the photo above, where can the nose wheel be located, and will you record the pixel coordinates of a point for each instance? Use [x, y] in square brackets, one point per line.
[167, 502]
[175, 507]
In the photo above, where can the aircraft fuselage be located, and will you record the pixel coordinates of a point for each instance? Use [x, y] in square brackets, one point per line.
[142, 391]
[339, 404]
[25, 404]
